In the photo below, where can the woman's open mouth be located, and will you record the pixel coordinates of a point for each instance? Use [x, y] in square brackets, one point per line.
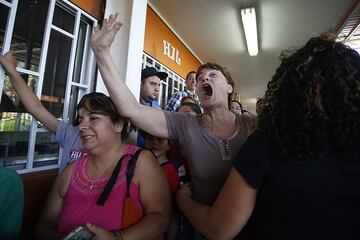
[206, 90]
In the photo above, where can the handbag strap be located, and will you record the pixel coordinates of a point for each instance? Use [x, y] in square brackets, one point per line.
[111, 182]
[130, 170]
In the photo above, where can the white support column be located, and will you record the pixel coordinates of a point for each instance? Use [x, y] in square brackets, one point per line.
[136, 46]
[128, 45]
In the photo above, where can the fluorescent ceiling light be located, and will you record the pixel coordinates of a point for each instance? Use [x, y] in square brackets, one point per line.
[248, 17]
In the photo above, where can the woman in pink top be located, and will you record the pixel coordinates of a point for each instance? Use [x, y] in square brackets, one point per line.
[75, 197]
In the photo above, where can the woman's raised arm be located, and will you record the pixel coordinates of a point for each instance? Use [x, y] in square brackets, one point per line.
[151, 120]
[30, 101]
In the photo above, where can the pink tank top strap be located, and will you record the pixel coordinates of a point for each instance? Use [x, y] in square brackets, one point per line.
[78, 165]
[131, 149]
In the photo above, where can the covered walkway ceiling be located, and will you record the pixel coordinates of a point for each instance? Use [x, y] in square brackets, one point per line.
[212, 30]
[349, 29]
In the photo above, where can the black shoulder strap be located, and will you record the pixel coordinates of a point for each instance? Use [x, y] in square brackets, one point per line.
[131, 169]
[165, 163]
[129, 174]
[110, 184]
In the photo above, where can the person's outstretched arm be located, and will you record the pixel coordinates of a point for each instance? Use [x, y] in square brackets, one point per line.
[152, 120]
[228, 215]
[30, 101]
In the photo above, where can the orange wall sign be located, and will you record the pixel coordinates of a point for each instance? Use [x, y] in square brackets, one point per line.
[95, 8]
[162, 44]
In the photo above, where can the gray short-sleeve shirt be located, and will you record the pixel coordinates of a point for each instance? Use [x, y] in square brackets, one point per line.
[209, 157]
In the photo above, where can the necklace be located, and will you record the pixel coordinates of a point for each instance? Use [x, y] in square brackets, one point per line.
[92, 181]
[226, 150]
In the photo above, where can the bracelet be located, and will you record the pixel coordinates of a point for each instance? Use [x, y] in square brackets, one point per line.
[118, 235]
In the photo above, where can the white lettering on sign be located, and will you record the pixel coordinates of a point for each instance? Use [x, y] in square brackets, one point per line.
[171, 52]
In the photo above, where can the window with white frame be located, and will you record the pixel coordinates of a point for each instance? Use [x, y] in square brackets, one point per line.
[170, 85]
[50, 40]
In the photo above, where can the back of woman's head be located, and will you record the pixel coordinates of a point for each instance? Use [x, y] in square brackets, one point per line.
[189, 99]
[313, 101]
[99, 103]
[195, 108]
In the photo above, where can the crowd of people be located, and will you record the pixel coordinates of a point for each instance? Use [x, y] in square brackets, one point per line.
[204, 167]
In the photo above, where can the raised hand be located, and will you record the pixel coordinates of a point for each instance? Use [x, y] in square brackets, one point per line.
[103, 37]
[8, 62]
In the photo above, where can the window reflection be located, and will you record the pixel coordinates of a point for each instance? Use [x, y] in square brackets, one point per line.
[75, 97]
[163, 94]
[171, 87]
[10, 101]
[64, 18]
[56, 73]
[46, 152]
[16, 146]
[13, 144]
[181, 86]
[15, 124]
[82, 54]
[176, 86]
[4, 11]
[28, 32]
[79, 53]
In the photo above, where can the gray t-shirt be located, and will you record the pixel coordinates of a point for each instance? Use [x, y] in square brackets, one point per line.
[68, 137]
[209, 157]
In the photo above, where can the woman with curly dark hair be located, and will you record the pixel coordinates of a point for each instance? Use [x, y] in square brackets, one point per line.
[298, 174]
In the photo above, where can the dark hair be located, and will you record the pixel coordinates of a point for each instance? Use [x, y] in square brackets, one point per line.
[194, 107]
[223, 70]
[259, 105]
[99, 103]
[191, 98]
[234, 100]
[312, 102]
[191, 72]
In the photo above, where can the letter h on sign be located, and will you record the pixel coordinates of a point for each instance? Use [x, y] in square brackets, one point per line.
[171, 52]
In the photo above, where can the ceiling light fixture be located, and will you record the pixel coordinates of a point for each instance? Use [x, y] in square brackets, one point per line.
[248, 17]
